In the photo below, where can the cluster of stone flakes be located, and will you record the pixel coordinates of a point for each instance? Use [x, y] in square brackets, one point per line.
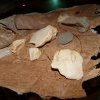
[21, 75]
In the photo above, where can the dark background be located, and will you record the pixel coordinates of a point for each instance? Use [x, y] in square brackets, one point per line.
[9, 7]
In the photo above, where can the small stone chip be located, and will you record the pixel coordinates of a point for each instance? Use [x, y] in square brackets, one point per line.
[17, 45]
[34, 53]
[65, 38]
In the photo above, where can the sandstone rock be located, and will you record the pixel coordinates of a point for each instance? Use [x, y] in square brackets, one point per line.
[6, 37]
[33, 21]
[81, 22]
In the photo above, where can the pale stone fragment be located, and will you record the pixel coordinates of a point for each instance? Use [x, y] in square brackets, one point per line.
[43, 36]
[17, 45]
[34, 53]
[69, 63]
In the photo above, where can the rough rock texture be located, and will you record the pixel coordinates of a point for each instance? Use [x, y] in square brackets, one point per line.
[9, 22]
[22, 75]
[31, 21]
[81, 22]
[6, 37]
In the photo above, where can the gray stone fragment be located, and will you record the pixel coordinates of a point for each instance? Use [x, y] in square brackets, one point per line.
[6, 37]
[65, 38]
[82, 23]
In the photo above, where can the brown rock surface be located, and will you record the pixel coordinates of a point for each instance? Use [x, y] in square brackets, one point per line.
[31, 21]
[22, 75]
[6, 37]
